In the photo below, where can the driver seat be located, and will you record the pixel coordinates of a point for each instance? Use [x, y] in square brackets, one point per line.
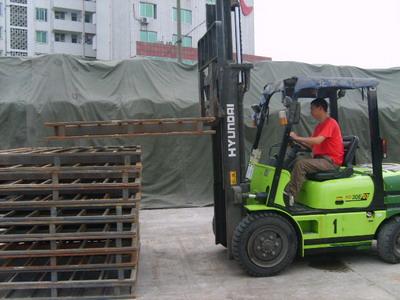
[350, 144]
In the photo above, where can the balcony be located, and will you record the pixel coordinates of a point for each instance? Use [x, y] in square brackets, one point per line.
[90, 6]
[71, 48]
[42, 48]
[64, 25]
[68, 48]
[75, 5]
[90, 28]
[68, 4]
[89, 52]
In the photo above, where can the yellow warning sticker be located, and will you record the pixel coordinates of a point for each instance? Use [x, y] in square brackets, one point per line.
[233, 177]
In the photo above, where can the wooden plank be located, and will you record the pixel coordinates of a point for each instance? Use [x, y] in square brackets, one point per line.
[69, 203]
[66, 252]
[131, 128]
[66, 237]
[131, 135]
[68, 187]
[68, 284]
[207, 120]
[69, 267]
[67, 220]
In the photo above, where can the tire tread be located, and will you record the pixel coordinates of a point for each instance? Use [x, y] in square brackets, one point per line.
[236, 243]
[386, 237]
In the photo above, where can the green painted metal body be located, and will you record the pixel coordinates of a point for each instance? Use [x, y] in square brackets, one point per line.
[341, 218]
[261, 181]
[353, 192]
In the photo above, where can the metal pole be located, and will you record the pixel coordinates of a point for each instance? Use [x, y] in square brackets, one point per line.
[83, 36]
[179, 30]
[6, 6]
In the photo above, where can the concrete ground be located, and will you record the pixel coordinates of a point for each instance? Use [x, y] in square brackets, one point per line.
[180, 261]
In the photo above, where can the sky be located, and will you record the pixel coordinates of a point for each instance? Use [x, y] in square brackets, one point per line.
[362, 33]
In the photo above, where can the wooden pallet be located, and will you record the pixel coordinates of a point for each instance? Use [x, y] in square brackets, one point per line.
[131, 128]
[69, 222]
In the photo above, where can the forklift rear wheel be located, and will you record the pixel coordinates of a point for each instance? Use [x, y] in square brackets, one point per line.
[264, 244]
[389, 241]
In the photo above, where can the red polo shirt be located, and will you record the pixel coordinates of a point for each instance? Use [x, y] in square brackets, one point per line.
[332, 146]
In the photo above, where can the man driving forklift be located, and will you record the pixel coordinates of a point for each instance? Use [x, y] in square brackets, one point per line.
[327, 148]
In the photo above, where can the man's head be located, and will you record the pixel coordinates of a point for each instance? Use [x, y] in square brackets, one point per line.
[319, 109]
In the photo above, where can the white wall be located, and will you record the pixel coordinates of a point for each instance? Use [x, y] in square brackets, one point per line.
[166, 27]
[122, 35]
[118, 26]
[115, 39]
[3, 28]
[104, 29]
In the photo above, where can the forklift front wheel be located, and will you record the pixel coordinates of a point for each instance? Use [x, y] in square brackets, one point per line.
[389, 241]
[264, 244]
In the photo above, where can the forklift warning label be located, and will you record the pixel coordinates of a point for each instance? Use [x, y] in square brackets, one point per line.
[231, 126]
[233, 177]
[356, 197]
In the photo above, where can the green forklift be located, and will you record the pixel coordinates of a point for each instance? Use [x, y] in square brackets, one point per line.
[347, 208]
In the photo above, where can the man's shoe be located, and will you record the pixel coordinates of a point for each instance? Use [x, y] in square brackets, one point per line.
[288, 199]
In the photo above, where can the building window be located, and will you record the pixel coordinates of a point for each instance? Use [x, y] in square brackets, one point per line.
[60, 15]
[74, 16]
[186, 40]
[41, 37]
[89, 38]
[186, 15]
[148, 10]
[1, 8]
[59, 37]
[19, 1]
[41, 14]
[1, 32]
[148, 36]
[88, 17]
[74, 39]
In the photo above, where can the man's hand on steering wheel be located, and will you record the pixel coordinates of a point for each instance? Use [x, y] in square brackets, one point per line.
[293, 140]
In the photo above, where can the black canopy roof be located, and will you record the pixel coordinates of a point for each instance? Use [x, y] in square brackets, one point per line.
[318, 83]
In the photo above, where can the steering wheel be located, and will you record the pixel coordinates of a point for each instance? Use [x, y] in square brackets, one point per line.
[300, 146]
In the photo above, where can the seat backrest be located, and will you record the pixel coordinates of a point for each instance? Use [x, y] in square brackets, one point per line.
[350, 144]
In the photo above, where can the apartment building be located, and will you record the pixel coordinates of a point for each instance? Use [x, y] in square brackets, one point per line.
[34, 27]
[153, 28]
[107, 29]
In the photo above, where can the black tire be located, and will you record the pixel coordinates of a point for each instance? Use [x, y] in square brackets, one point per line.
[389, 241]
[264, 244]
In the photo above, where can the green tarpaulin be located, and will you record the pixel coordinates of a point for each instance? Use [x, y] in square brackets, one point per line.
[177, 170]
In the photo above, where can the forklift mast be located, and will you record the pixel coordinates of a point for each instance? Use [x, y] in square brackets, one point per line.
[223, 81]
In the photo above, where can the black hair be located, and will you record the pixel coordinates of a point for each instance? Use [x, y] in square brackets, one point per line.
[320, 102]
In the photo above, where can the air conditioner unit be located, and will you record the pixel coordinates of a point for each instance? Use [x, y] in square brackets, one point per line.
[144, 21]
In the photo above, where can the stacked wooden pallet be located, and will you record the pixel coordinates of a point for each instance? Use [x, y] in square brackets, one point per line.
[69, 225]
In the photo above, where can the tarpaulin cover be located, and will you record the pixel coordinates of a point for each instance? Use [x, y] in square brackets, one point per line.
[177, 170]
